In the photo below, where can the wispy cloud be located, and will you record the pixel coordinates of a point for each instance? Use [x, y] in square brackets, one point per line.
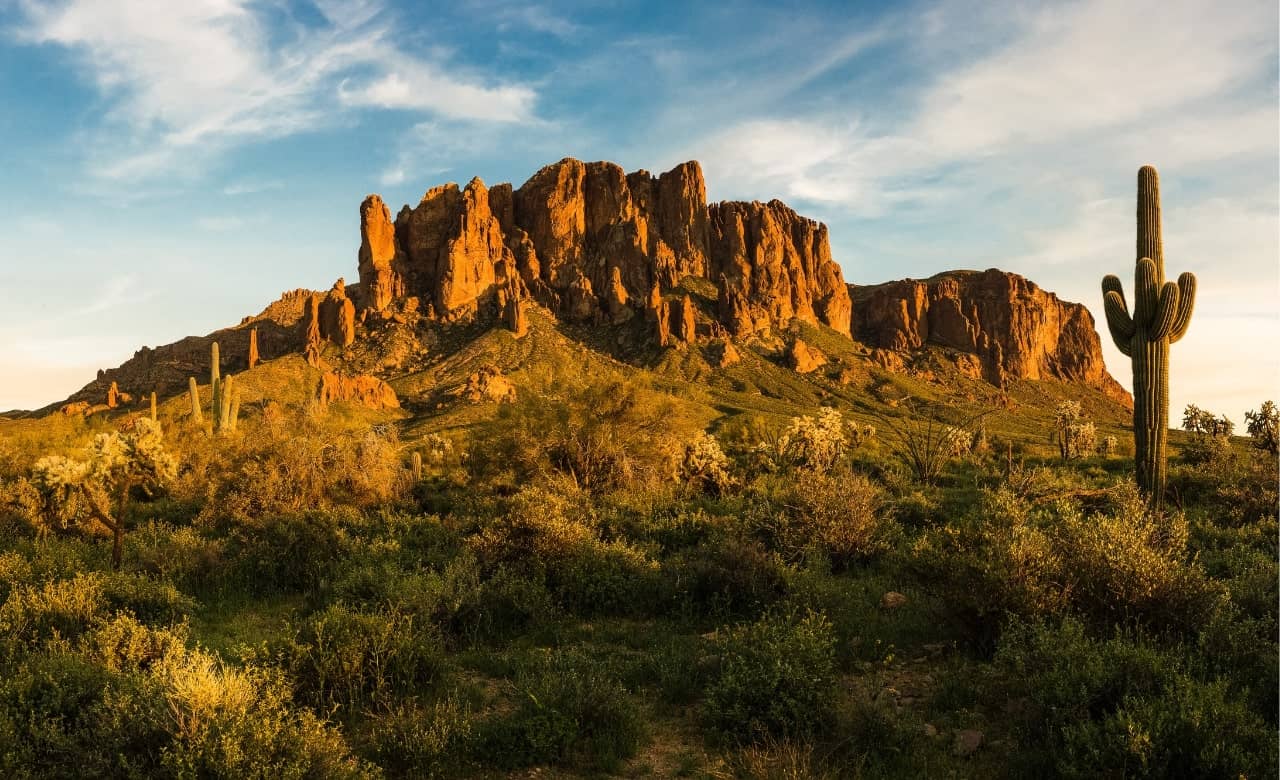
[183, 81]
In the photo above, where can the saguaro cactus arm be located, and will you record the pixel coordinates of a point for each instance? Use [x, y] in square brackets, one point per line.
[1186, 305]
[1166, 312]
[1117, 311]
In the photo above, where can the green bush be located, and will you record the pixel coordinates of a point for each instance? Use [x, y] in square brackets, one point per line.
[1122, 706]
[543, 533]
[840, 516]
[776, 679]
[431, 741]
[291, 553]
[340, 658]
[725, 578]
[569, 711]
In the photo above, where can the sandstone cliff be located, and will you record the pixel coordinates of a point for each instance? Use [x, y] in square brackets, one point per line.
[593, 243]
[1013, 328]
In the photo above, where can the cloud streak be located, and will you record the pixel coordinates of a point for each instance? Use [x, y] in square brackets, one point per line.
[185, 81]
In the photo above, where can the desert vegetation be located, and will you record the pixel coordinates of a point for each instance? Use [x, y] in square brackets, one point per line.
[593, 581]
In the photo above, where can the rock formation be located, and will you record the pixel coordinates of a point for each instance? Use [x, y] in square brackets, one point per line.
[380, 262]
[360, 389]
[594, 243]
[488, 385]
[1015, 329]
[803, 358]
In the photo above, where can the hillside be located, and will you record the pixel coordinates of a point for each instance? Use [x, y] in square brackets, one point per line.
[636, 273]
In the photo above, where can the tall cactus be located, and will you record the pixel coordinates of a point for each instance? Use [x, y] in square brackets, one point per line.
[215, 386]
[1161, 315]
[194, 391]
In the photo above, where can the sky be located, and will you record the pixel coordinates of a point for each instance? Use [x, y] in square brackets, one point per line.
[168, 168]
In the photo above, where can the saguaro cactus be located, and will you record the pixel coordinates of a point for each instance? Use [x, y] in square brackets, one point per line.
[194, 392]
[215, 386]
[1161, 315]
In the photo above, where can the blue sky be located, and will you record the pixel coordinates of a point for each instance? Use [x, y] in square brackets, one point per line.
[171, 167]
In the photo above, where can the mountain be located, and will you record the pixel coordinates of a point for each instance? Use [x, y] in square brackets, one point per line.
[642, 272]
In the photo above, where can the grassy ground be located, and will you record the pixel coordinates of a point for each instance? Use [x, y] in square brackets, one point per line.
[555, 596]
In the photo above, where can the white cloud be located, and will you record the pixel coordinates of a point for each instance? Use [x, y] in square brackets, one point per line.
[183, 81]
[425, 87]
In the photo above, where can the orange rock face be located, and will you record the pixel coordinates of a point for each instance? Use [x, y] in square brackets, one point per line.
[804, 358]
[594, 243]
[1015, 329]
[381, 264]
[361, 389]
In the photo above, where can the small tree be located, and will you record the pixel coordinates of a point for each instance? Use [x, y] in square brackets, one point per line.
[98, 488]
[1264, 426]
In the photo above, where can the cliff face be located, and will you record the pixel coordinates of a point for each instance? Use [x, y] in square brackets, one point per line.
[592, 242]
[595, 244]
[1015, 329]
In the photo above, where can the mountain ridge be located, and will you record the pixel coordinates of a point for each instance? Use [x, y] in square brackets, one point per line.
[645, 256]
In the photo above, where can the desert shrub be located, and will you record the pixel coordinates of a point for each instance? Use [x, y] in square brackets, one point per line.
[705, 466]
[725, 577]
[428, 741]
[775, 678]
[134, 703]
[123, 644]
[227, 722]
[542, 533]
[569, 710]
[183, 556]
[1123, 565]
[1108, 445]
[63, 609]
[340, 658]
[604, 436]
[296, 468]
[63, 715]
[149, 599]
[957, 441]
[841, 516]
[293, 552]
[1122, 706]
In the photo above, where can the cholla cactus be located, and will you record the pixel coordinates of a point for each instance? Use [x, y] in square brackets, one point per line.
[704, 464]
[439, 448]
[1108, 446]
[815, 444]
[1082, 439]
[958, 442]
[1065, 415]
[77, 490]
[1264, 426]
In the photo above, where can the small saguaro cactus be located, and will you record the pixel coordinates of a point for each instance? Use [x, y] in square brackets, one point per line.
[154, 417]
[193, 390]
[1161, 315]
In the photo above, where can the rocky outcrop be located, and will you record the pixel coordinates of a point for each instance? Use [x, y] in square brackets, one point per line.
[596, 244]
[359, 389]
[380, 263]
[805, 359]
[488, 385]
[1015, 329]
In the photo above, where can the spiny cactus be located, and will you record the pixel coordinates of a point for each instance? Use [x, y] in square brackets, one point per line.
[215, 386]
[1161, 315]
[253, 347]
[193, 390]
